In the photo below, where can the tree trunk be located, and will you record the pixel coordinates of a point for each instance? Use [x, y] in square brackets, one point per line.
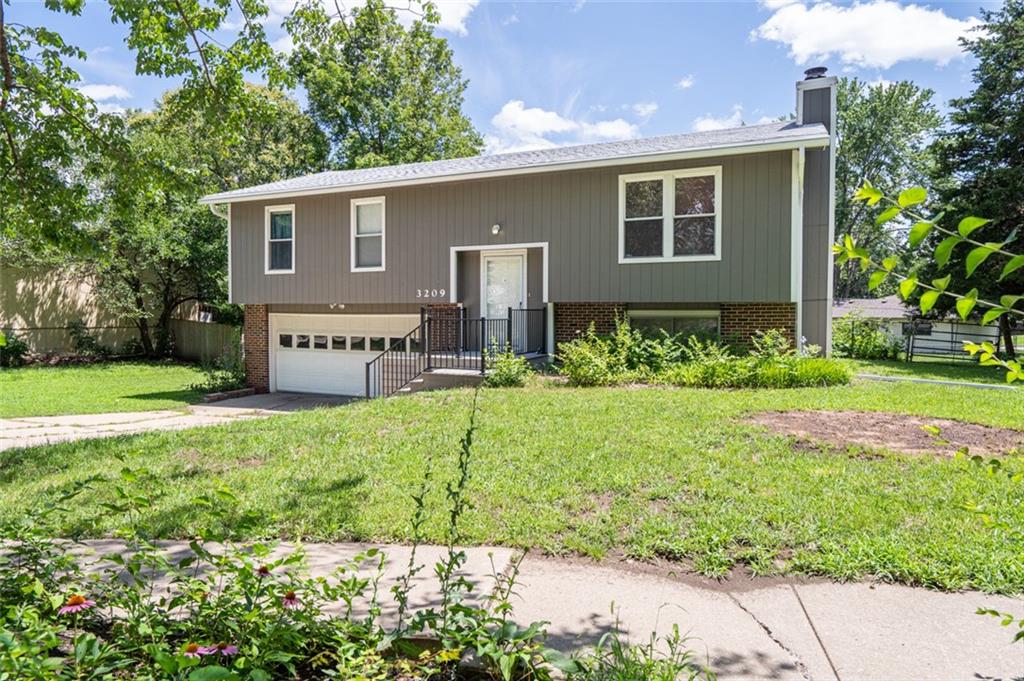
[141, 319]
[1007, 334]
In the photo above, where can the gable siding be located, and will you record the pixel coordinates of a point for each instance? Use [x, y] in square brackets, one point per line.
[576, 212]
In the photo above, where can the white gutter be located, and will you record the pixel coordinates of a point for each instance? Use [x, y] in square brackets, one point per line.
[704, 152]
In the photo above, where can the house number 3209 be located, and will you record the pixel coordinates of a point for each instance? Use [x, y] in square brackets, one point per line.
[430, 293]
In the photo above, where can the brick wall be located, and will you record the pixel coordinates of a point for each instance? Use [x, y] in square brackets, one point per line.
[256, 332]
[740, 321]
[444, 326]
[573, 319]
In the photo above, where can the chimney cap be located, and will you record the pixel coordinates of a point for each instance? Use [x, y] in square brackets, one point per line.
[815, 72]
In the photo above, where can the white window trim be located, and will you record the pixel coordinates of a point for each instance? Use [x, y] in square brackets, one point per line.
[354, 203]
[668, 216]
[284, 208]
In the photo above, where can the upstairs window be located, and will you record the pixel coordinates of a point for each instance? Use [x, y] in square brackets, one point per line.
[368, 234]
[670, 216]
[280, 233]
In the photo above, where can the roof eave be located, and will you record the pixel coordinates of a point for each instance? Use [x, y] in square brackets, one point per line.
[814, 142]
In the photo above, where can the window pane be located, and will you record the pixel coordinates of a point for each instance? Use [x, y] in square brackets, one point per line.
[285, 340]
[694, 236]
[643, 199]
[281, 225]
[280, 255]
[369, 218]
[368, 253]
[643, 238]
[377, 344]
[393, 340]
[415, 344]
[705, 328]
[695, 195]
[302, 340]
[337, 342]
[320, 342]
[357, 343]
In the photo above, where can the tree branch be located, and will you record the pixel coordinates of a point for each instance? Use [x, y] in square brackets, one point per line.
[199, 47]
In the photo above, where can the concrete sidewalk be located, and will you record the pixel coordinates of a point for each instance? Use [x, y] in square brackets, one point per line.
[743, 628]
[29, 431]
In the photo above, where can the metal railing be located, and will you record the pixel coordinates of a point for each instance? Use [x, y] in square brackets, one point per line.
[455, 342]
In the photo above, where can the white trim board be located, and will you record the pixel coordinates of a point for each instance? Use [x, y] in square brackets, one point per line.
[796, 247]
[703, 152]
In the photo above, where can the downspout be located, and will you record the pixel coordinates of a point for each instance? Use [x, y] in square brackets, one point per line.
[220, 210]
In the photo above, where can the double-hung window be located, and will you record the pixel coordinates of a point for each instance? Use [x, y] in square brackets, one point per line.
[280, 233]
[368, 234]
[670, 216]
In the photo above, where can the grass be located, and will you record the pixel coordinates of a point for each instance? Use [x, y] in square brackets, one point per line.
[96, 388]
[642, 472]
[936, 370]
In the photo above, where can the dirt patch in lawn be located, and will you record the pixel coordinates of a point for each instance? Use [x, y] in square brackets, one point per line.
[894, 432]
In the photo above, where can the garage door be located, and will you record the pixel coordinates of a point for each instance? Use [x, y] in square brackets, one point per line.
[328, 353]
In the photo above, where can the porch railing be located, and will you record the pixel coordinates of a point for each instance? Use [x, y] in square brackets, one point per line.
[456, 342]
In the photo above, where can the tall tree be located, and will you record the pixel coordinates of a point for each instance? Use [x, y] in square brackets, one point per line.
[884, 130]
[155, 247]
[384, 93]
[980, 159]
[54, 141]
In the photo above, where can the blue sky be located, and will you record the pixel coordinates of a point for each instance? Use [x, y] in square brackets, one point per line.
[547, 73]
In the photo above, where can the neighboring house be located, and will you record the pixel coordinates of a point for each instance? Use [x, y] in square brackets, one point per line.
[729, 231]
[922, 337]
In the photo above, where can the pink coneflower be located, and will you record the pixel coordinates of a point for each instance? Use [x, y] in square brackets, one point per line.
[263, 571]
[222, 648]
[290, 600]
[192, 650]
[76, 603]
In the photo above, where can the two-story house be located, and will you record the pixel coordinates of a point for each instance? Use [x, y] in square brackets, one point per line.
[359, 281]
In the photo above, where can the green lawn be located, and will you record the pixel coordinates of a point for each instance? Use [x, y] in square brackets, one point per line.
[643, 472]
[96, 388]
[920, 368]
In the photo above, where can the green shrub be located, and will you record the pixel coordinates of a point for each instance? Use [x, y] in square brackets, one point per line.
[13, 350]
[507, 370]
[860, 338]
[227, 371]
[85, 343]
[589, 361]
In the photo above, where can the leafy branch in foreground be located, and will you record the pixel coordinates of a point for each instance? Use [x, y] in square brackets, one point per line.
[848, 250]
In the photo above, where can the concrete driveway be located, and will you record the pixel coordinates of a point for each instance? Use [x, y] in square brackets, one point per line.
[29, 431]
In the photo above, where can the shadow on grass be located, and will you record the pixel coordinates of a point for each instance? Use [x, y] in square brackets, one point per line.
[183, 395]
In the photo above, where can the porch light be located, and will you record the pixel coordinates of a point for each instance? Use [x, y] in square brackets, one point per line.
[495, 229]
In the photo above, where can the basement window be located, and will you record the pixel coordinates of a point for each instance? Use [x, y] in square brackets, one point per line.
[685, 323]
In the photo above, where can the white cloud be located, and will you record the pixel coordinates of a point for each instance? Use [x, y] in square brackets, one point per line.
[521, 128]
[708, 122]
[645, 110]
[884, 82]
[686, 82]
[578, 5]
[617, 129]
[101, 92]
[454, 14]
[877, 34]
[510, 19]
[109, 107]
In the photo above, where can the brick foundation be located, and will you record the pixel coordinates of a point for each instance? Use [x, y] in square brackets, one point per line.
[256, 345]
[740, 321]
[573, 319]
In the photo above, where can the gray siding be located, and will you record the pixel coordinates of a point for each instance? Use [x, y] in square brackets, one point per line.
[576, 212]
[816, 309]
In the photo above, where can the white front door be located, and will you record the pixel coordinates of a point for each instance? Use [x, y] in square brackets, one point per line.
[504, 287]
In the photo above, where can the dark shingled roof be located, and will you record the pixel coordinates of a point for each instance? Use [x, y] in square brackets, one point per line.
[786, 133]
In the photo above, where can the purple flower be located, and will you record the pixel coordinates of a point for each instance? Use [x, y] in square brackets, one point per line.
[290, 600]
[193, 650]
[223, 648]
[76, 603]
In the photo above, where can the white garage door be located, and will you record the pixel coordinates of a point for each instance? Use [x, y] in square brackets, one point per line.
[328, 353]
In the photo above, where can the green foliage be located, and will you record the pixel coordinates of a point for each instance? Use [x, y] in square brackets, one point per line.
[13, 350]
[659, 659]
[883, 131]
[85, 343]
[384, 93]
[507, 370]
[859, 338]
[226, 371]
[628, 356]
